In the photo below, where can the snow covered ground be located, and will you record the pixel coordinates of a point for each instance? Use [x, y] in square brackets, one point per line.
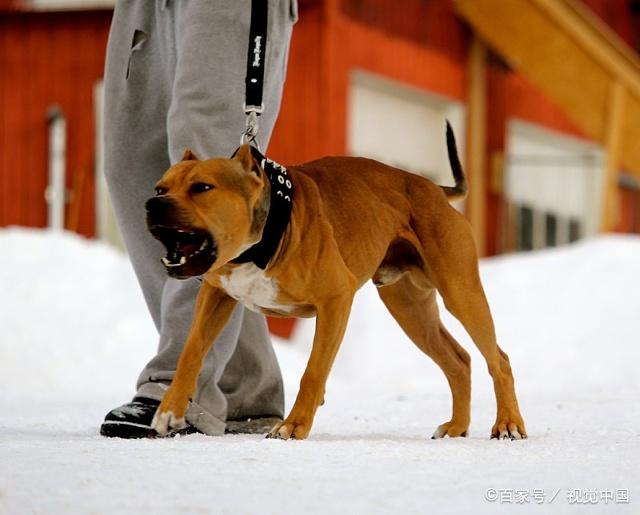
[74, 334]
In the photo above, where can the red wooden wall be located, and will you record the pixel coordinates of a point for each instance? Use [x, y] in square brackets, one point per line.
[333, 38]
[47, 59]
[620, 16]
[56, 58]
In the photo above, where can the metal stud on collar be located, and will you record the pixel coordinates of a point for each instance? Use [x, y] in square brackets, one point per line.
[284, 186]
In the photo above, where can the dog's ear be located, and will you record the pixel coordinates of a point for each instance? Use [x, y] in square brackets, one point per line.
[189, 156]
[245, 157]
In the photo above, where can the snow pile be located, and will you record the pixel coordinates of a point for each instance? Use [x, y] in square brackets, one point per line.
[75, 333]
[74, 323]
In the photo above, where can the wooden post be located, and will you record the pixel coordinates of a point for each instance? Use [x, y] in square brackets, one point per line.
[333, 100]
[477, 141]
[610, 209]
[77, 198]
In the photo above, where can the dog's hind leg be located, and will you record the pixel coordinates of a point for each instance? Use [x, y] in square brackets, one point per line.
[452, 265]
[412, 302]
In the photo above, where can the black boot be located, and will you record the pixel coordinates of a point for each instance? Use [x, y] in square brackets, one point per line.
[133, 420]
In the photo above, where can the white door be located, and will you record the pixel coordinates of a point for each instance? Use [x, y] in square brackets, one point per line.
[402, 126]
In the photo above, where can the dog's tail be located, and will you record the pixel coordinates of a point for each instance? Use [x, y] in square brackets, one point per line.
[459, 191]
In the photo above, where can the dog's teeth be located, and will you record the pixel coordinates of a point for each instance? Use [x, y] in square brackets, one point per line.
[204, 245]
[169, 264]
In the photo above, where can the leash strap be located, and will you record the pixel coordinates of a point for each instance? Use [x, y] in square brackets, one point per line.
[256, 58]
[281, 195]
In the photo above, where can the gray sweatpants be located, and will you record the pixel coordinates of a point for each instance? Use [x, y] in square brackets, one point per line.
[174, 79]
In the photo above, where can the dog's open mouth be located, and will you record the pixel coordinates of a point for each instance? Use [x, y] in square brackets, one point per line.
[189, 251]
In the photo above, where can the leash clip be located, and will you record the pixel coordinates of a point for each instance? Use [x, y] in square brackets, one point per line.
[251, 129]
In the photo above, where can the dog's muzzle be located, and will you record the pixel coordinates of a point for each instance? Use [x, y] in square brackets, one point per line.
[190, 251]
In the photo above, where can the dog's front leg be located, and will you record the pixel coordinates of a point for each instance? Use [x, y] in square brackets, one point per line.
[331, 322]
[213, 309]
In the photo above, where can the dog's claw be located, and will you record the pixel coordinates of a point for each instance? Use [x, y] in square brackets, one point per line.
[166, 422]
[438, 433]
[508, 431]
[289, 431]
[449, 429]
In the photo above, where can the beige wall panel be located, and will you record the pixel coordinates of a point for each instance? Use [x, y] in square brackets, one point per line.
[547, 56]
[630, 144]
[569, 57]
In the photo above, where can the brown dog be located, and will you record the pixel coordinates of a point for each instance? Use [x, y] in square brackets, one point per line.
[351, 220]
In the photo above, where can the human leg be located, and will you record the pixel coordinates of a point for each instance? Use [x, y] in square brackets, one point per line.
[143, 134]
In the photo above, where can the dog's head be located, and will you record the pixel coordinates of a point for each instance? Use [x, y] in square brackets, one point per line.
[207, 212]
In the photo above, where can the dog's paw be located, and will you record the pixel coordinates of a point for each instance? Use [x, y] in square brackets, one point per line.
[509, 428]
[450, 429]
[289, 430]
[165, 422]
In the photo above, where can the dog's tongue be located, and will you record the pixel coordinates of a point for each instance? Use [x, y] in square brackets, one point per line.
[187, 248]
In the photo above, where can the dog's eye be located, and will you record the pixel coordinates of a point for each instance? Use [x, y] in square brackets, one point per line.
[161, 191]
[201, 187]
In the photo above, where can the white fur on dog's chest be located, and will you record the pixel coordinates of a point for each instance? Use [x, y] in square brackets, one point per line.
[249, 285]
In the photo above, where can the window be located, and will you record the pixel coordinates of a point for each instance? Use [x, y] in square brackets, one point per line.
[552, 187]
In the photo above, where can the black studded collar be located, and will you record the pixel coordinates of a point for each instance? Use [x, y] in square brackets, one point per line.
[279, 213]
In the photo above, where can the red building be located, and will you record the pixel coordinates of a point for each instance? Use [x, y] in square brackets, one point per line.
[547, 127]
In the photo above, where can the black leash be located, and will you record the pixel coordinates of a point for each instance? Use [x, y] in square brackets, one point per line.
[256, 58]
[281, 187]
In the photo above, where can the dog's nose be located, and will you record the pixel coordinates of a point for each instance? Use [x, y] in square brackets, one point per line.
[160, 211]
[158, 205]
[153, 202]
